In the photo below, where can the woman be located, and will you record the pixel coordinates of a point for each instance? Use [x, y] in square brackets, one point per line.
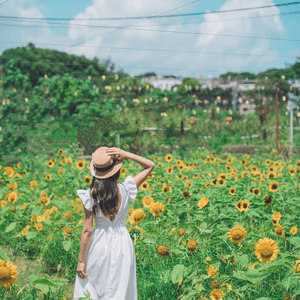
[107, 261]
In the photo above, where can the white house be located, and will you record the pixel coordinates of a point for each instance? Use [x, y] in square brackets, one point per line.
[294, 83]
[161, 82]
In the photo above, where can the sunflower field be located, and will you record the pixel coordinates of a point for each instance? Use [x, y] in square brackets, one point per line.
[203, 227]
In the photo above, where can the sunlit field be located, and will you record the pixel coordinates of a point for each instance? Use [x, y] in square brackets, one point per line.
[203, 227]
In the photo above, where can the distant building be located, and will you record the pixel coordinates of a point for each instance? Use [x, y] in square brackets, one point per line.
[294, 83]
[161, 82]
[246, 109]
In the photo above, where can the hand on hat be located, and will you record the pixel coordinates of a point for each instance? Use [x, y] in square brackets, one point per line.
[116, 153]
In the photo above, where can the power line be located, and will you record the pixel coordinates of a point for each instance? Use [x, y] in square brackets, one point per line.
[165, 16]
[3, 2]
[162, 50]
[129, 25]
[187, 23]
[182, 32]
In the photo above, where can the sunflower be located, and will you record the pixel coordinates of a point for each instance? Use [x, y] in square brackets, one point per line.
[245, 205]
[165, 188]
[239, 205]
[271, 174]
[180, 167]
[279, 230]
[267, 200]
[181, 232]
[157, 208]
[137, 216]
[168, 158]
[237, 234]
[87, 179]
[48, 176]
[229, 287]
[162, 250]
[172, 230]
[8, 274]
[275, 222]
[276, 216]
[215, 284]
[273, 186]
[12, 197]
[266, 250]
[232, 191]
[50, 163]
[192, 245]
[256, 191]
[147, 201]
[293, 230]
[296, 269]
[212, 271]
[186, 194]
[216, 294]
[169, 170]
[202, 202]
[145, 186]
[267, 162]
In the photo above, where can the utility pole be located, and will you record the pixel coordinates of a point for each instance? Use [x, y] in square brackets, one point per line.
[136, 141]
[277, 121]
[128, 85]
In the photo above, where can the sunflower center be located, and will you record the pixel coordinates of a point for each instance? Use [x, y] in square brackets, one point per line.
[266, 251]
[4, 274]
[237, 235]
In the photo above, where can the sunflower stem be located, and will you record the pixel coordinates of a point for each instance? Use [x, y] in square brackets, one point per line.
[13, 294]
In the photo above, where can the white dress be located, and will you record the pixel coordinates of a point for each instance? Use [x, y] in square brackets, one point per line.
[110, 260]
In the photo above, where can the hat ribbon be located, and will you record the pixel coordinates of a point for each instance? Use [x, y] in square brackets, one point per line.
[102, 169]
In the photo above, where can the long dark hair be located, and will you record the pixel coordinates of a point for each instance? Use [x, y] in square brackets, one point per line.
[107, 191]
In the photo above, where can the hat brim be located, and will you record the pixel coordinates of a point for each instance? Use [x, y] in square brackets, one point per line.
[108, 173]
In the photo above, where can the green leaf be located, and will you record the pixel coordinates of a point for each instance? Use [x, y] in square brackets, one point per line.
[177, 252]
[243, 260]
[272, 265]
[188, 224]
[240, 275]
[45, 282]
[4, 256]
[294, 240]
[256, 276]
[251, 234]
[253, 213]
[177, 273]
[153, 232]
[149, 241]
[203, 226]
[11, 227]
[165, 276]
[30, 235]
[67, 245]
[189, 295]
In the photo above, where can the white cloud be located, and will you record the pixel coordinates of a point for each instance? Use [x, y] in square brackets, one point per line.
[264, 27]
[256, 27]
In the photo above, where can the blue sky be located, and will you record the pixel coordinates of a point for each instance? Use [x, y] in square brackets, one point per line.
[258, 54]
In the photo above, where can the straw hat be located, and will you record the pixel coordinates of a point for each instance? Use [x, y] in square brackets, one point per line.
[102, 165]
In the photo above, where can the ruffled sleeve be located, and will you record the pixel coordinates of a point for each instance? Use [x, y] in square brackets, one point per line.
[130, 187]
[84, 196]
